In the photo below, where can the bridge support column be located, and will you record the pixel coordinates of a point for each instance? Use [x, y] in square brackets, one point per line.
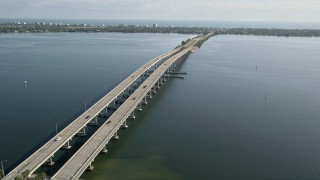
[90, 167]
[67, 145]
[158, 84]
[124, 125]
[132, 115]
[114, 103]
[104, 149]
[94, 122]
[150, 96]
[115, 136]
[124, 95]
[154, 90]
[145, 100]
[139, 108]
[82, 132]
[49, 162]
[104, 114]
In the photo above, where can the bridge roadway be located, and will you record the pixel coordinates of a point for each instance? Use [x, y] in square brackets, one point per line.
[80, 161]
[38, 158]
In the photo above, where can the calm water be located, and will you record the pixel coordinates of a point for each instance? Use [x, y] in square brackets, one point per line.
[247, 109]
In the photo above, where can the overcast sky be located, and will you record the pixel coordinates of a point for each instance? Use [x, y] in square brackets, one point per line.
[233, 10]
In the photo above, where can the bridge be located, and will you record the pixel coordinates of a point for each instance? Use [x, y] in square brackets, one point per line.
[134, 91]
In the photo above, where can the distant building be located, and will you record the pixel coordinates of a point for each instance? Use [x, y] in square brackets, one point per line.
[155, 25]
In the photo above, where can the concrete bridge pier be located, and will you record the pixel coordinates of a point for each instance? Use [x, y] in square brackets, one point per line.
[158, 84]
[104, 149]
[164, 78]
[90, 167]
[124, 125]
[139, 107]
[132, 115]
[150, 95]
[115, 136]
[104, 114]
[175, 65]
[161, 80]
[154, 90]
[94, 122]
[49, 162]
[114, 103]
[145, 100]
[132, 87]
[82, 132]
[125, 93]
[67, 146]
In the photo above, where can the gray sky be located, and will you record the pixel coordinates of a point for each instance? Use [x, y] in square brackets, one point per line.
[234, 10]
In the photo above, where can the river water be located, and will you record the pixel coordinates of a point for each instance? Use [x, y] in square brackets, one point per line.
[248, 107]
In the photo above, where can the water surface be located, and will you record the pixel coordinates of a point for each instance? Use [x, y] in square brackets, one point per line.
[247, 109]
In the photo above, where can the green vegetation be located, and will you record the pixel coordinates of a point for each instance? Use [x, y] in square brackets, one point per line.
[185, 42]
[41, 176]
[41, 28]
[18, 177]
[1, 173]
[25, 174]
[272, 32]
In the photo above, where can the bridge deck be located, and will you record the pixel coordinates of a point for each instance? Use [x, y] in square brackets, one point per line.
[43, 153]
[86, 154]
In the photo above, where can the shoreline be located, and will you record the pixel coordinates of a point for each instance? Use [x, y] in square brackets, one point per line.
[78, 28]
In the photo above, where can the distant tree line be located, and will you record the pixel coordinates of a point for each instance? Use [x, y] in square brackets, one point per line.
[272, 32]
[36, 28]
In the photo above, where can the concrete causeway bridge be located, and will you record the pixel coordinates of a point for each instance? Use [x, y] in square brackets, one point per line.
[133, 92]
